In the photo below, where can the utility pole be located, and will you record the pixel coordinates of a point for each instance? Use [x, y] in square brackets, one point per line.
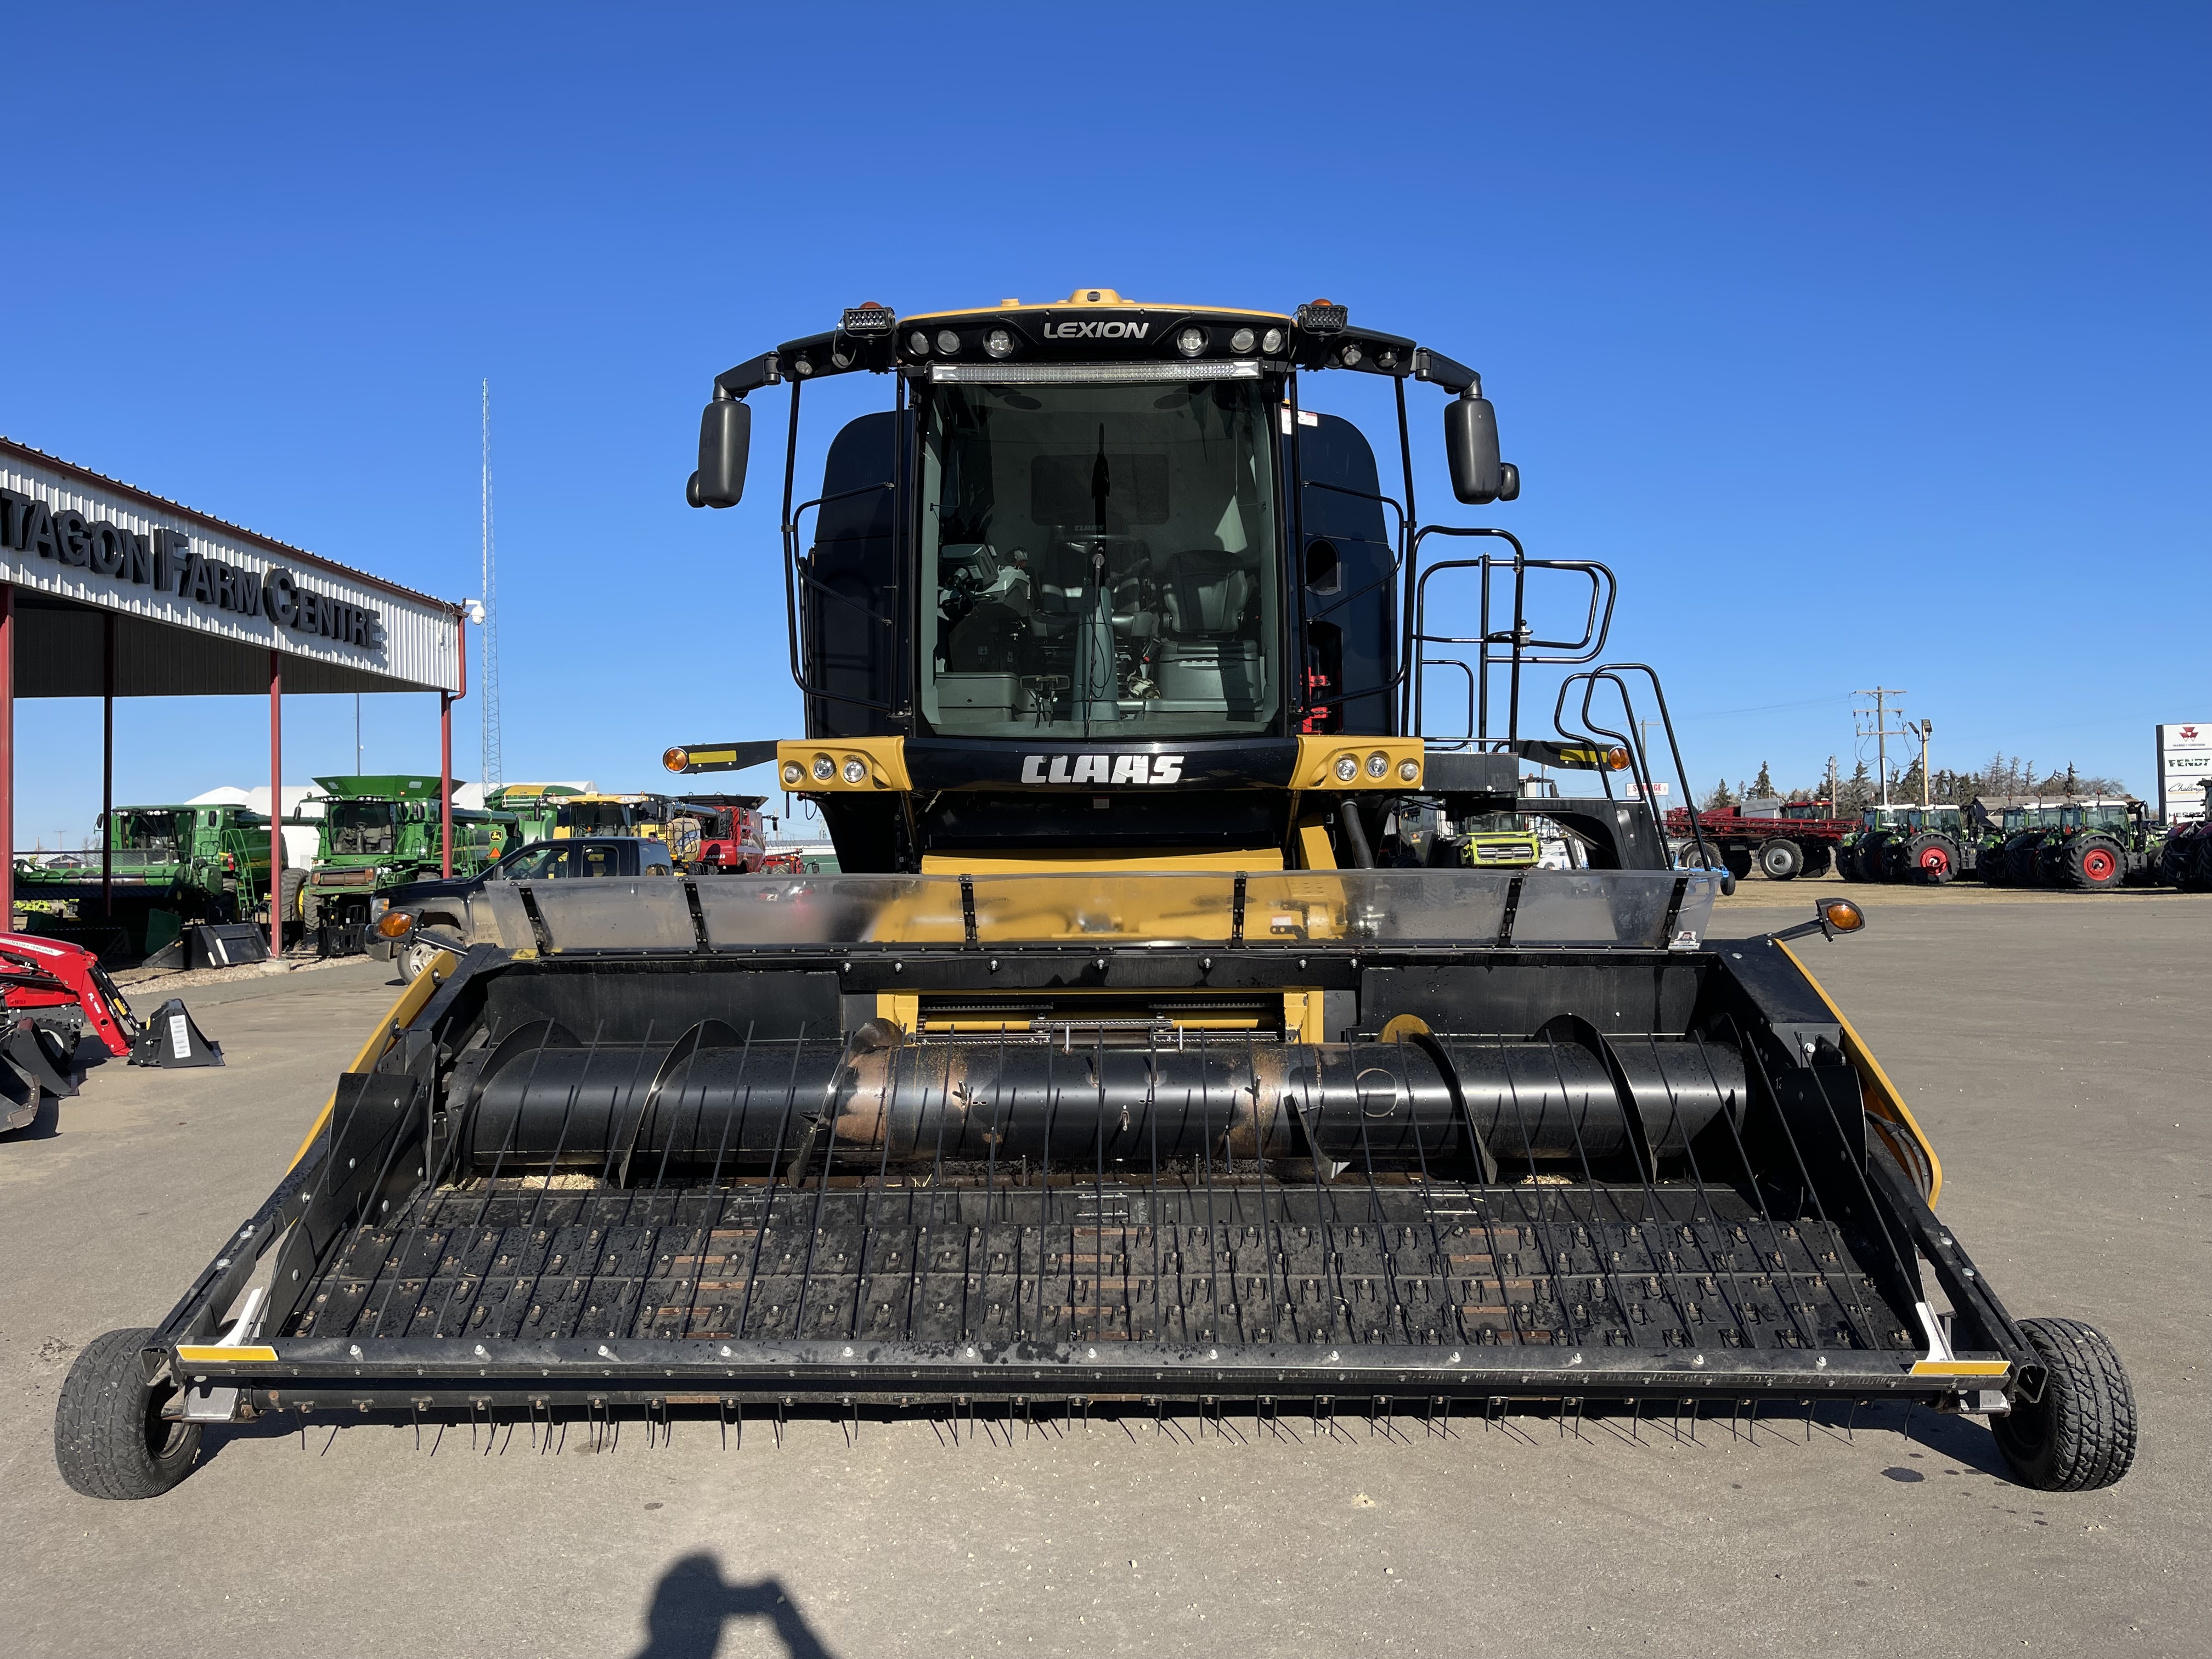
[1831, 785]
[1927, 730]
[488, 672]
[1881, 694]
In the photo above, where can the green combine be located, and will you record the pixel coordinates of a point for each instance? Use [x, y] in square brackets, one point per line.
[170, 867]
[381, 832]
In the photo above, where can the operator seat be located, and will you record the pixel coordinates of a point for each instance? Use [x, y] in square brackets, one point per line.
[1204, 665]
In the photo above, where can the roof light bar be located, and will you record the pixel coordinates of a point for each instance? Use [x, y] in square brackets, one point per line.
[1089, 374]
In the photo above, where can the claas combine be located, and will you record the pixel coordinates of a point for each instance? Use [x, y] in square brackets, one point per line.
[1126, 1065]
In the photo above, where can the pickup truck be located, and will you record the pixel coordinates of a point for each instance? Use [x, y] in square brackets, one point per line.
[415, 921]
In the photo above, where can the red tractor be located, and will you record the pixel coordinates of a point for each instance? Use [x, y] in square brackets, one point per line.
[61, 1009]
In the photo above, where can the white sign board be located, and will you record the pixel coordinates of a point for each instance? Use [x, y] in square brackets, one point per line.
[2185, 762]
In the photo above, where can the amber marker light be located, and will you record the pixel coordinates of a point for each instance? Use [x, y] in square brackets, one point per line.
[1617, 759]
[675, 759]
[1842, 915]
[392, 923]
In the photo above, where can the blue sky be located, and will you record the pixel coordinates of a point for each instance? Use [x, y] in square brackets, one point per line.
[1867, 344]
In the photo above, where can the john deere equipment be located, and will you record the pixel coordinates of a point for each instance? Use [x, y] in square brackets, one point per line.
[534, 807]
[1111, 1074]
[378, 833]
[171, 865]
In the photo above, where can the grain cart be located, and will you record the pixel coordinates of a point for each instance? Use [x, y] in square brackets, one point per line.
[1110, 1073]
[378, 833]
[1794, 839]
[171, 865]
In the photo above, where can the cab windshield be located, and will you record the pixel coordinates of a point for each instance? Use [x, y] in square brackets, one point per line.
[146, 832]
[362, 826]
[594, 818]
[1103, 560]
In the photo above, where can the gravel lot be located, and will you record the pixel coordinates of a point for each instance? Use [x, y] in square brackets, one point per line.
[2055, 1046]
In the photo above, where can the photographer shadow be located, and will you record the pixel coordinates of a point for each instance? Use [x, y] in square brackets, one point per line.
[691, 1603]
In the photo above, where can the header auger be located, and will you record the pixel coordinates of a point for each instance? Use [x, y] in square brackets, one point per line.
[1143, 1053]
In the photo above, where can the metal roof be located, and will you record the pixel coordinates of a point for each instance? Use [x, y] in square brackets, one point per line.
[267, 543]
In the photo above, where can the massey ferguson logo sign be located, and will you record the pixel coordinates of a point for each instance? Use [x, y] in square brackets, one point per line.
[1096, 330]
[1101, 768]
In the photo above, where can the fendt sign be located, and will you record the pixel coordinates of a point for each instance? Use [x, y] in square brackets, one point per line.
[2185, 762]
[166, 561]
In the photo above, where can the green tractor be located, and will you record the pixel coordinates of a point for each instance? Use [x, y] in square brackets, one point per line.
[2086, 846]
[381, 832]
[170, 867]
[1931, 845]
[1863, 854]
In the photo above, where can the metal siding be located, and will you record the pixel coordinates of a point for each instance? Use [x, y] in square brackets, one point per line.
[419, 649]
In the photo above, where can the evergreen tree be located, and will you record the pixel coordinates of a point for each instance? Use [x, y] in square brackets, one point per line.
[1720, 797]
[1764, 783]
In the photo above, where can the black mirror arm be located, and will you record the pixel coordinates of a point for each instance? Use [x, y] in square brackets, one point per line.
[766, 369]
[1440, 370]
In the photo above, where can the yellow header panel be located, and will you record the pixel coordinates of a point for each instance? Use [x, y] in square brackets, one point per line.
[847, 767]
[1374, 763]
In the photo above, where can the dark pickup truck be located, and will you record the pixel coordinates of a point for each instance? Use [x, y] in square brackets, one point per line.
[415, 921]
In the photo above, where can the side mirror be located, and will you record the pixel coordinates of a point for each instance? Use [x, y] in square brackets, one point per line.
[1471, 446]
[725, 436]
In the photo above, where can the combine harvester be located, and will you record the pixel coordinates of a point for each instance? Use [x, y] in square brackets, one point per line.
[1110, 1073]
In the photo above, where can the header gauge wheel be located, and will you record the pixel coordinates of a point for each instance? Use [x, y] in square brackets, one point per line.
[110, 1437]
[2081, 1436]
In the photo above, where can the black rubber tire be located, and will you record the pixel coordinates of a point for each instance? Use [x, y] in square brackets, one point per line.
[1820, 858]
[1847, 863]
[2081, 1436]
[2090, 864]
[1914, 860]
[1781, 860]
[1737, 861]
[110, 1440]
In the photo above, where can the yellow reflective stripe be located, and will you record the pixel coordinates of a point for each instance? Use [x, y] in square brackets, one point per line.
[413, 1000]
[1870, 1071]
[190, 1355]
[1960, 1367]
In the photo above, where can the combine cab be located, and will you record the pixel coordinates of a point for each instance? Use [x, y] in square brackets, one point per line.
[171, 867]
[377, 833]
[1111, 1072]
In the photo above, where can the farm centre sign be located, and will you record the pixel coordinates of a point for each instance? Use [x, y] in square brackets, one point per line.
[166, 561]
[79, 544]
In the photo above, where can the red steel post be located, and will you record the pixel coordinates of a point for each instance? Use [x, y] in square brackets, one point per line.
[7, 758]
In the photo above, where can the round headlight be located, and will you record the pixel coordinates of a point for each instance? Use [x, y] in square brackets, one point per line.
[1272, 341]
[1191, 342]
[1347, 768]
[824, 768]
[794, 772]
[1377, 764]
[999, 343]
[856, 770]
[918, 343]
[802, 367]
[1349, 355]
[1409, 769]
[1242, 340]
[947, 342]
